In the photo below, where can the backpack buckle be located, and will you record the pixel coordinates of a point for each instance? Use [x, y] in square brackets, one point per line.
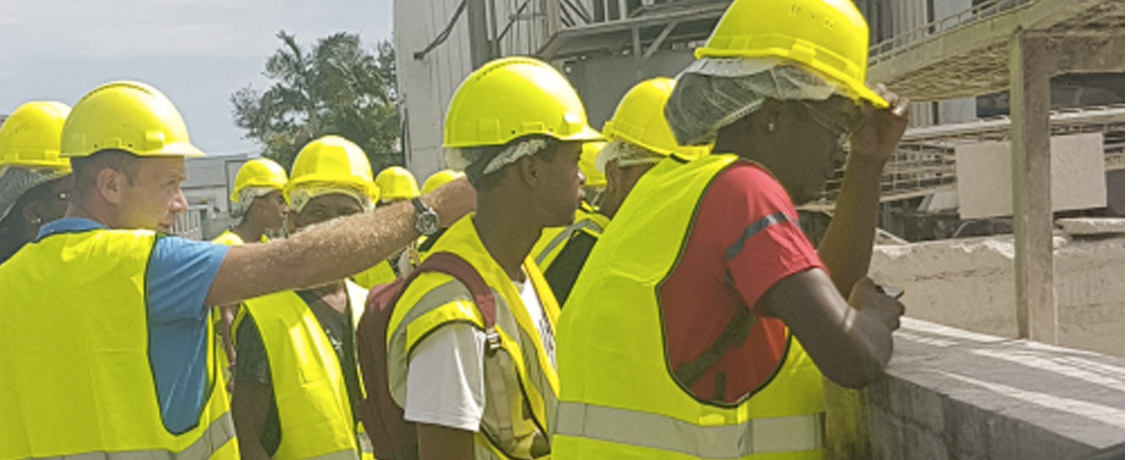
[494, 343]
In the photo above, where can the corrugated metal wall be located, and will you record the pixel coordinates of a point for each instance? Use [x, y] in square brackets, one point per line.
[426, 85]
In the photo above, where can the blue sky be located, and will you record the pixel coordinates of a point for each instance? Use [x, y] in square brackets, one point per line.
[198, 52]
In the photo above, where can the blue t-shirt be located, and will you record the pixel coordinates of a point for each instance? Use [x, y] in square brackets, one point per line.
[178, 277]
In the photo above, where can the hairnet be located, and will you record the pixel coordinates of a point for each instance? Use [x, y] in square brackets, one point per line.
[15, 181]
[625, 154]
[301, 195]
[246, 197]
[714, 93]
[460, 159]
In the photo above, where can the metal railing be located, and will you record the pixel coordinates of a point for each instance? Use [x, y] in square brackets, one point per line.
[924, 162]
[568, 14]
[902, 42]
[521, 27]
[189, 224]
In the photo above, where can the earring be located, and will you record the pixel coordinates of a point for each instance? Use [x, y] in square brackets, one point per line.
[37, 220]
[772, 127]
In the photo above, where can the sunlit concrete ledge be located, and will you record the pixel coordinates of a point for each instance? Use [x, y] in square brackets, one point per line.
[953, 394]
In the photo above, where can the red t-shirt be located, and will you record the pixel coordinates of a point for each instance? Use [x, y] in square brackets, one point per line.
[744, 239]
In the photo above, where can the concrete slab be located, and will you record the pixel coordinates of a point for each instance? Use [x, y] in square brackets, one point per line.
[993, 398]
[1092, 226]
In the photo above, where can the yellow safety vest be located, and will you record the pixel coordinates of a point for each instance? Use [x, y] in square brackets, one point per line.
[229, 238]
[381, 273]
[529, 381]
[73, 346]
[619, 398]
[553, 239]
[308, 383]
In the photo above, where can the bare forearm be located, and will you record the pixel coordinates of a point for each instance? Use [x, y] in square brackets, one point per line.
[875, 345]
[322, 253]
[328, 251]
[847, 245]
[848, 346]
[852, 357]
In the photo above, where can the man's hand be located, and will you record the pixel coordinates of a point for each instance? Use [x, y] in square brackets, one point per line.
[877, 136]
[871, 302]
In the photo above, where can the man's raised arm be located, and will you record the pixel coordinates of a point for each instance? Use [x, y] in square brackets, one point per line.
[332, 250]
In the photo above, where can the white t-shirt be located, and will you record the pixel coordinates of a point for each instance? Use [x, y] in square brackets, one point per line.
[445, 371]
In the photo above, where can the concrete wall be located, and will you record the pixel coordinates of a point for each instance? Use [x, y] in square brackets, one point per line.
[968, 283]
[426, 85]
[951, 394]
[983, 175]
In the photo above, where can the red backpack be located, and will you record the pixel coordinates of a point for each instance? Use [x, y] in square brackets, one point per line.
[394, 438]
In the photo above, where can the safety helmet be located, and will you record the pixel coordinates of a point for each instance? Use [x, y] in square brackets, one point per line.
[640, 120]
[434, 181]
[512, 97]
[829, 37]
[396, 183]
[594, 177]
[259, 172]
[335, 161]
[30, 136]
[129, 116]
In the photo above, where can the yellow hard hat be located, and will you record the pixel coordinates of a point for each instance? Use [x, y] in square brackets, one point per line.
[513, 97]
[335, 161]
[129, 116]
[396, 183]
[30, 136]
[259, 172]
[827, 36]
[640, 120]
[434, 181]
[594, 178]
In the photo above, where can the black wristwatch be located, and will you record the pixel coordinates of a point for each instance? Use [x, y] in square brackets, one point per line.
[427, 220]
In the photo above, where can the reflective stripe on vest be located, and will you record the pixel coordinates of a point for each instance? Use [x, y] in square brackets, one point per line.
[92, 391]
[563, 237]
[213, 439]
[619, 396]
[520, 403]
[307, 377]
[553, 239]
[646, 429]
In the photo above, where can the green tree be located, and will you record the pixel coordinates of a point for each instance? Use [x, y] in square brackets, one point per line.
[336, 87]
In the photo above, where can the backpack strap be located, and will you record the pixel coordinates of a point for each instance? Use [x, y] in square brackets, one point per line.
[460, 269]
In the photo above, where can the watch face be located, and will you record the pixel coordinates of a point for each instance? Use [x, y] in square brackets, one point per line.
[427, 222]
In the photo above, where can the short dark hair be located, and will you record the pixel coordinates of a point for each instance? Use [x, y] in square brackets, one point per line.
[485, 154]
[86, 169]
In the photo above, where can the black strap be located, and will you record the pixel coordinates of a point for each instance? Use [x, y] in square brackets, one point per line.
[735, 333]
